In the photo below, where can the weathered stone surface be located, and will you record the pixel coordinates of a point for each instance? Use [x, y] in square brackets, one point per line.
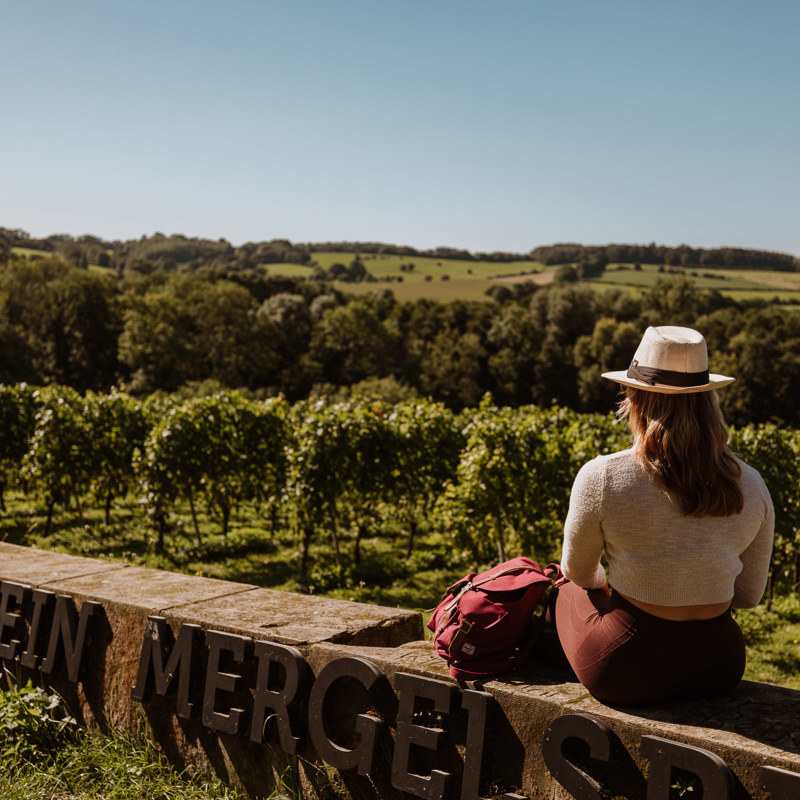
[302, 620]
[35, 567]
[147, 591]
[753, 726]
[128, 595]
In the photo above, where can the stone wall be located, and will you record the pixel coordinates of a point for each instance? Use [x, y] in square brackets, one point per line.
[342, 699]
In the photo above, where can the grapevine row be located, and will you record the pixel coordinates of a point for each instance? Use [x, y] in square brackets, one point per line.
[495, 480]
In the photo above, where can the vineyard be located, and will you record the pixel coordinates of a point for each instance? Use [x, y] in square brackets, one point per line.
[337, 479]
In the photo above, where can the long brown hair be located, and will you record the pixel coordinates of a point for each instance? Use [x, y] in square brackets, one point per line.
[682, 442]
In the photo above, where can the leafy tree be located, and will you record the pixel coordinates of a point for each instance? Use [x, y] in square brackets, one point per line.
[198, 451]
[170, 253]
[118, 426]
[260, 446]
[157, 341]
[453, 371]
[775, 453]
[191, 328]
[357, 271]
[17, 421]
[562, 314]
[285, 320]
[58, 460]
[384, 390]
[228, 344]
[514, 342]
[610, 347]
[565, 274]
[369, 459]
[63, 319]
[763, 353]
[351, 344]
[5, 245]
[426, 445]
[591, 268]
[317, 462]
[677, 301]
[511, 491]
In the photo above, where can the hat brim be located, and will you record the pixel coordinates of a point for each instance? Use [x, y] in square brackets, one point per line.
[714, 382]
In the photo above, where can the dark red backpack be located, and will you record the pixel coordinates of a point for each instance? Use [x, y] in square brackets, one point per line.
[487, 622]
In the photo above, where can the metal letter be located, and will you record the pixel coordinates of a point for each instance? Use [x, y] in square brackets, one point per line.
[216, 681]
[780, 783]
[42, 602]
[285, 702]
[11, 619]
[665, 755]
[366, 727]
[408, 734]
[158, 646]
[68, 635]
[476, 704]
[590, 730]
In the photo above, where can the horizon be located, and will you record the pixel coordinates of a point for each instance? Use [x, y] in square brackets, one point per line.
[389, 244]
[473, 127]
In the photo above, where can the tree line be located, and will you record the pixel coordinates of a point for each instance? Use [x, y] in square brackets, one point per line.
[198, 333]
[179, 253]
[681, 256]
[494, 480]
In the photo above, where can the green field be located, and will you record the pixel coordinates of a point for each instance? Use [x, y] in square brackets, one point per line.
[249, 554]
[767, 285]
[445, 279]
[443, 291]
[432, 278]
[723, 280]
[386, 267]
[44, 753]
[29, 252]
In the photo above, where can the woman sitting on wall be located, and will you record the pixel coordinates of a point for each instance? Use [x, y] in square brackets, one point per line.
[686, 528]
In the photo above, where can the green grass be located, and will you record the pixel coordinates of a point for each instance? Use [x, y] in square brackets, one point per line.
[722, 280]
[290, 271]
[443, 291]
[29, 252]
[778, 287]
[447, 280]
[384, 576]
[44, 754]
[437, 279]
[388, 266]
[248, 554]
[773, 642]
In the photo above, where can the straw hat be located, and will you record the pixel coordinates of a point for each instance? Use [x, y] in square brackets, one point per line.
[670, 360]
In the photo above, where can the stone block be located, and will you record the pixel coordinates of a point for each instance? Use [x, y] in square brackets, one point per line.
[302, 620]
[35, 567]
[374, 712]
[754, 726]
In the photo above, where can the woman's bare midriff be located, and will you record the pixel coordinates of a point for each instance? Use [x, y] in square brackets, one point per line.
[680, 613]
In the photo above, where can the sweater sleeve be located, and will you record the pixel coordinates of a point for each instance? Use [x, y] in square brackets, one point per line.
[583, 533]
[752, 580]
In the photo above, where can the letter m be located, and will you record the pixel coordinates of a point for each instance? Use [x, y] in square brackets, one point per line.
[162, 658]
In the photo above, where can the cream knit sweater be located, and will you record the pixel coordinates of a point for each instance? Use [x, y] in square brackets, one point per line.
[654, 553]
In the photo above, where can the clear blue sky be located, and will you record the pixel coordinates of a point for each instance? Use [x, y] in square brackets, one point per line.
[492, 125]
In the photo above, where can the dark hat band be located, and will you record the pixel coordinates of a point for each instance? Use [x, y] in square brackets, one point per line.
[666, 377]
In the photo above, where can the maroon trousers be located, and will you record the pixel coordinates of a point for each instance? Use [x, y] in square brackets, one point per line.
[624, 655]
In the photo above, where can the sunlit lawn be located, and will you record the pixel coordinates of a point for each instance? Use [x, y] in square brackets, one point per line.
[384, 576]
